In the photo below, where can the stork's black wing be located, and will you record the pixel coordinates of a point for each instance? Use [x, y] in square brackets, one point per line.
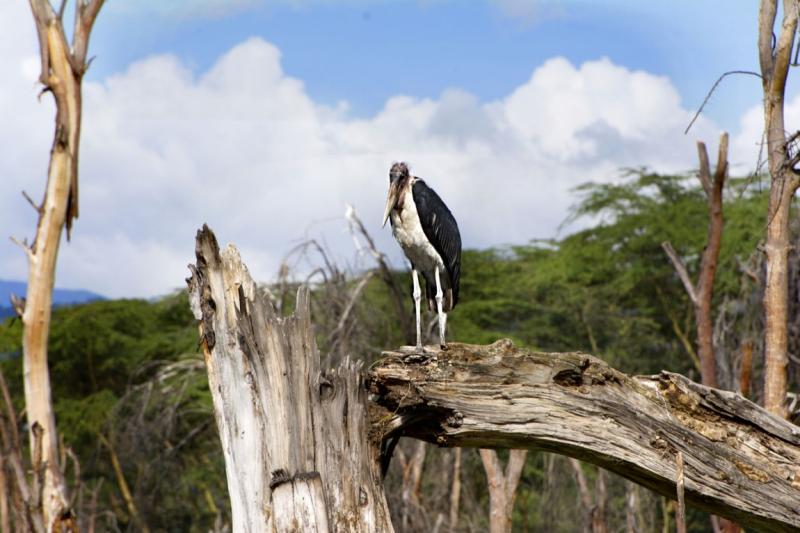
[441, 230]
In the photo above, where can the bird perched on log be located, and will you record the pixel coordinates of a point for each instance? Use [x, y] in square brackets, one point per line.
[428, 234]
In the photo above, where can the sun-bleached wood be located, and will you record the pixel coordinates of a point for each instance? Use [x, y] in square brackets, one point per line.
[295, 438]
[740, 461]
[62, 68]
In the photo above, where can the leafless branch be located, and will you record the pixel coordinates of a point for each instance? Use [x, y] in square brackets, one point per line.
[681, 270]
[18, 304]
[61, 9]
[722, 160]
[43, 15]
[704, 170]
[24, 245]
[38, 208]
[711, 91]
[350, 304]
[85, 15]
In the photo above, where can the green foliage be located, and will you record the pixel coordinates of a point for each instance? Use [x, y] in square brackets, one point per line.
[608, 289]
[130, 370]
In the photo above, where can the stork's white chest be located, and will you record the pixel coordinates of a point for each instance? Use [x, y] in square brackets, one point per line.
[408, 231]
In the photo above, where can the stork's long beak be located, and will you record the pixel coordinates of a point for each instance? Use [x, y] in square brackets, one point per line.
[391, 201]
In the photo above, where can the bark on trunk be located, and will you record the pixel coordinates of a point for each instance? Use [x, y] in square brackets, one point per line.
[455, 490]
[295, 439]
[775, 58]
[502, 486]
[740, 461]
[702, 294]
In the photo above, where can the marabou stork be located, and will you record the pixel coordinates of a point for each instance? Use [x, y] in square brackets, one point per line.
[428, 235]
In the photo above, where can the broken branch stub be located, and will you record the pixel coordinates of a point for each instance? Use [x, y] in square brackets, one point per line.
[740, 461]
[295, 439]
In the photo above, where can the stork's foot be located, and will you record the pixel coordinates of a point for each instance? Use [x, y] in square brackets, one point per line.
[443, 346]
[417, 354]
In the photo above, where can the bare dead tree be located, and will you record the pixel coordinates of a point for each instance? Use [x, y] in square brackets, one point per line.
[63, 65]
[775, 58]
[294, 438]
[701, 294]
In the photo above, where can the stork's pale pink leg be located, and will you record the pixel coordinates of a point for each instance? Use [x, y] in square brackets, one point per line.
[442, 315]
[417, 295]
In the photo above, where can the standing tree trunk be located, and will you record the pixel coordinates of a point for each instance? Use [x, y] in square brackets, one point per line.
[774, 58]
[63, 67]
[702, 293]
[502, 486]
[411, 467]
[296, 441]
[455, 490]
[594, 507]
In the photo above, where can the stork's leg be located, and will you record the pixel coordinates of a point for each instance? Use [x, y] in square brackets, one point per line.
[417, 295]
[442, 314]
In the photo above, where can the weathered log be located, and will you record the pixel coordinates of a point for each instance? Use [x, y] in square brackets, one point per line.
[740, 461]
[295, 438]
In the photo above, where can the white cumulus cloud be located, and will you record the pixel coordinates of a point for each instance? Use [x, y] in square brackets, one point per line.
[244, 148]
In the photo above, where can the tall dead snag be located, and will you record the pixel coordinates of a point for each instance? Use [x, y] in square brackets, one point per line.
[502, 486]
[63, 65]
[775, 57]
[740, 461]
[295, 439]
[702, 293]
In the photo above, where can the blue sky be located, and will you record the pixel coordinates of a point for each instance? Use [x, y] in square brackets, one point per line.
[364, 52]
[265, 118]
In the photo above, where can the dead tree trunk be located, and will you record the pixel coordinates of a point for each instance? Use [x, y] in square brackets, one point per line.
[295, 439]
[702, 293]
[62, 69]
[775, 57]
[741, 462]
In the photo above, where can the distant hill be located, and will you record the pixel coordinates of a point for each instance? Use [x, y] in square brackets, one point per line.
[60, 296]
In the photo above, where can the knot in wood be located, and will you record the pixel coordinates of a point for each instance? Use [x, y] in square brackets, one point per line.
[279, 477]
[363, 499]
[455, 419]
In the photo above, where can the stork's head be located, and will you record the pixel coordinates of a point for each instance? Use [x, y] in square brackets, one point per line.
[397, 178]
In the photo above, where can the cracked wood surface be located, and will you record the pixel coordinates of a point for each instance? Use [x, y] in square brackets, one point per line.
[294, 437]
[740, 461]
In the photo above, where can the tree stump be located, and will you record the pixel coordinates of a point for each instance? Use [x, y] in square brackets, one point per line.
[295, 438]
